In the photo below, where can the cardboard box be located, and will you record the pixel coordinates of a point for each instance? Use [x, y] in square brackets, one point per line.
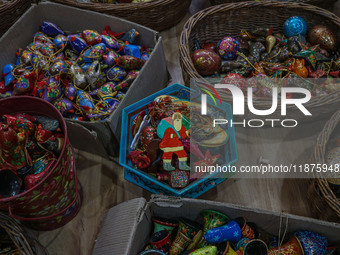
[147, 181]
[100, 137]
[126, 228]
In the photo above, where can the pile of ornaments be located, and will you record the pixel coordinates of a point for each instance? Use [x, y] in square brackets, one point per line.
[29, 147]
[220, 235]
[84, 75]
[262, 53]
[168, 134]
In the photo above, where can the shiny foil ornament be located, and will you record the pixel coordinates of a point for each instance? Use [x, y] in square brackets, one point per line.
[110, 58]
[323, 36]
[116, 74]
[110, 42]
[60, 41]
[206, 62]
[94, 53]
[79, 76]
[130, 62]
[295, 26]
[77, 43]
[228, 47]
[50, 29]
[52, 90]
[92, 37]
[93, 74]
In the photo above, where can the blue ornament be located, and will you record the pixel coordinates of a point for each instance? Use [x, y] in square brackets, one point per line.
[94, 53]
[132, 50]
[230, 232]
[228, 48]
[115, 74]
[50, 29]
[77, 43]
[145, 56]
[110, 43]
[60, 41]
[295, 26]
[312, 243]
[7, 71]
[85, 66]
[131, 36]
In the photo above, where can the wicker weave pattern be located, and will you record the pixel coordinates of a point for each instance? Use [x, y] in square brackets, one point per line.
[10, 12]
[325, 204]
[320, 3]
[22, 238]
[157, 14]
[214, 23]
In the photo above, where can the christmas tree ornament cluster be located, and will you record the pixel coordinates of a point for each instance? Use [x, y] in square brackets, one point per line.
[263, 55]
[84, 75]
[29, 148]
[220, 235]
[170, 134]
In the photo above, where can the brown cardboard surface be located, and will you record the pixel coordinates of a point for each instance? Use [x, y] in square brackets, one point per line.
[109, 241]
[102, 136]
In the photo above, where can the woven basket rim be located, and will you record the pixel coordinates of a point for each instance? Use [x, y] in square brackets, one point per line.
[259, 101]
[21, 237]
[121, 6]
[319, 158]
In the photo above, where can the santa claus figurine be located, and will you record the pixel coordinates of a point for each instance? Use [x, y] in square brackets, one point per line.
[171, 130]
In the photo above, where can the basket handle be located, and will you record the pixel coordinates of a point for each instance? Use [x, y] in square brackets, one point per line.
[50, 216]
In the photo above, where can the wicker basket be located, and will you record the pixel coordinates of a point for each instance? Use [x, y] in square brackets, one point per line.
[10, 12]
[325, 204]
[328, 4]
[23, 239]
[214, 23]
[157, 14]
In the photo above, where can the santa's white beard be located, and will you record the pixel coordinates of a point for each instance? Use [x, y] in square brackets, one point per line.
[178, 124]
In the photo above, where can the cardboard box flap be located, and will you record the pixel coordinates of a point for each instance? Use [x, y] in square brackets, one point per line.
[118, 227]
